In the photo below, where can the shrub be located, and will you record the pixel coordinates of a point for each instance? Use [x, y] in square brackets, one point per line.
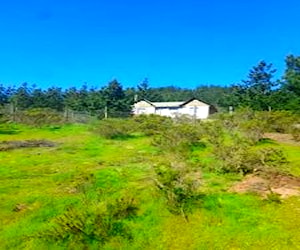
[273, 197]
[92, 224]
[178, 138]
[254, 129]
[281, 121]
[38, 117]
[296, 133]
[253, 124]
[233, 151]
[115, 128]
[179, 184]
[271, 157]
[152, 124]
[241, 158]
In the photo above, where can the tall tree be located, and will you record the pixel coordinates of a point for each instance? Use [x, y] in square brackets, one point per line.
[143, 89]
[54, 98]
[288, 97]
[5, 94]
[145, 92]
[114, 97]
[39, 99]
[256, 91]
[71, 100]
[22, 97]
[292, 74]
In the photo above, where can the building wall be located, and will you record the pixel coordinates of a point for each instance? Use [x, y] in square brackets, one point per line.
[196, 103]
[143, 107]
[195, 109]
[170, 112]
[144, 110]
[198, 112]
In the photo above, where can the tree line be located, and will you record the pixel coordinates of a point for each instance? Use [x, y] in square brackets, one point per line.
[259, 91]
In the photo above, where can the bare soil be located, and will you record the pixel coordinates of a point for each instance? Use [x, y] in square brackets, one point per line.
[284, 138]
[10, 145]
[264, 183]
[284, 185]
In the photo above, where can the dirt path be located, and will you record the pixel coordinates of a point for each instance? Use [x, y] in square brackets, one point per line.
[10, 145]
[283, 138]
[263, 185]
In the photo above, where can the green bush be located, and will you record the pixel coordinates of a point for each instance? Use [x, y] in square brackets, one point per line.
[296, 133]
[115, 128]
[92, 224]
[273, 197]
[39, 117]
[152, 124]
[281, 121]
[271, 157]
[179, 184]
[234, 151]
[251, 124]
[254, 124]
[178, 138]
[241, 158]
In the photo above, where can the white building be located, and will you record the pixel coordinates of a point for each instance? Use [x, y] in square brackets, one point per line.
[192, 108]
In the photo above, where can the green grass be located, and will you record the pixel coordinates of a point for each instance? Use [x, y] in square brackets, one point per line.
[85, 170]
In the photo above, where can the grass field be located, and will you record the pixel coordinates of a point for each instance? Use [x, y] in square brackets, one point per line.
[85, 172]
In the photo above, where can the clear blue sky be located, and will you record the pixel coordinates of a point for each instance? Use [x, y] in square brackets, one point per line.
[184, 43]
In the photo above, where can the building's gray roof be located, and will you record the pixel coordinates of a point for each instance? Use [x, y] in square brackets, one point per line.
[171, 104]
[167, 104]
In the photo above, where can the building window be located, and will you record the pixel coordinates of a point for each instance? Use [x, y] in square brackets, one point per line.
[141, 110]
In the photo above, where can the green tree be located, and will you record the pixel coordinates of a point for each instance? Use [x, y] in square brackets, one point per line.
[38, 98]
[114, 99]
[292, 74]
[22, 97]
[5, 94]
[256, 91]
[54, 98]
[145, 92]
[71, 100]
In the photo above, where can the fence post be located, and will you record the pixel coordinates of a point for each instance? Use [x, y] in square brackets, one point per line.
[105, 112]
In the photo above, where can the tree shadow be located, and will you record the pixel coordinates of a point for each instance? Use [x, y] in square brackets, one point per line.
[124, 137]
[9, 131]
[266, 141]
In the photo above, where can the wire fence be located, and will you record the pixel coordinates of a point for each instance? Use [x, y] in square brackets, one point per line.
[8, 112]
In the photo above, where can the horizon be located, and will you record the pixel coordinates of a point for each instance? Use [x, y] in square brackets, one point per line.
[172, 43]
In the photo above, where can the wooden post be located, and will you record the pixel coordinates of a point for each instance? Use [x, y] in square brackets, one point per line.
[105, 112]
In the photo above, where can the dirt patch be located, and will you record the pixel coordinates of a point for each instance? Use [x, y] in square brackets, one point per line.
[10, 145]
[263, 185]
[284, 138]
[20, 207]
